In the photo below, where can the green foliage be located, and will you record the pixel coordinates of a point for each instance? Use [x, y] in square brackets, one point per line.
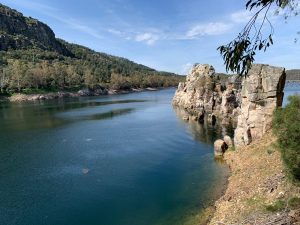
[278, 205]
[32, 60]
[286, 126]
[37, 69]
[294, 203]
[231, 149]
[270, 151]
[238, 55]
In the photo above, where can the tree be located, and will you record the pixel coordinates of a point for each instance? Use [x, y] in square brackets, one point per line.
[238, 55]
[286, 124]
[18, 70]
[4, 79]
[90, 80]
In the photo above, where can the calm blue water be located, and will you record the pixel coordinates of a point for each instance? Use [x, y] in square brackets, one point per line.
[114, 160]
[290, 89]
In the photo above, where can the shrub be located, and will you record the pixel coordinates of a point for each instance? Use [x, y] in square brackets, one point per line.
[276, 206]
[286, 126]
[294, 203]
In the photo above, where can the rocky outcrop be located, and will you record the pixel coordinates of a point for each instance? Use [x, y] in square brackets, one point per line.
[262, 93]
[19, 32]
[252, 106]
[203, 94]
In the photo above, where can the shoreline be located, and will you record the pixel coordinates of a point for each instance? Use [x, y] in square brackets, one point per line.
[257, 183]
[205, 214]
[19, 97]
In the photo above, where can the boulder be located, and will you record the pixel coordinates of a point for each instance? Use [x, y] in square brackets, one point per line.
[86, 92]
[100, 91]
[227, 139]
[220, 147]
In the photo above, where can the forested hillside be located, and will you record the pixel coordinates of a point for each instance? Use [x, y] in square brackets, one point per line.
[293, 75]
[32, 59]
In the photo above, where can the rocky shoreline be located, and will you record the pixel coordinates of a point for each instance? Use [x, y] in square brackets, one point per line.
[63, 94]
[258, 191]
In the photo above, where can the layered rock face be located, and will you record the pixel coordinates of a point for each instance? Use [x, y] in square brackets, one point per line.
[262, 93]
[203, 93]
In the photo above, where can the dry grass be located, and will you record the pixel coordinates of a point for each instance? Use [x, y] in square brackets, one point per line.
[257, 183]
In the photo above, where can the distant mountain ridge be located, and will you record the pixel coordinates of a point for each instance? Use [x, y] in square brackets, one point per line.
[32, 57]
[293, 74]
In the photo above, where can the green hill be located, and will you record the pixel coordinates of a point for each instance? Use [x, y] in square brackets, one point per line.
[33, 59]
[293, 75]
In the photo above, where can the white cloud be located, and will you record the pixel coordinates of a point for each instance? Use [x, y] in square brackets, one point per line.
[148, 38]
[242, 16]
[185, 68]
[202, 29]
[114, 31]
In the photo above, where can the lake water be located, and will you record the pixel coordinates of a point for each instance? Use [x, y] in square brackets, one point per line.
[112, 160]
[290, 89]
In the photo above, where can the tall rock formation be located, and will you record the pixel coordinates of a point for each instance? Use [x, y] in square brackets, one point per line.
[262, 93]
[204, 94]
[250, 101]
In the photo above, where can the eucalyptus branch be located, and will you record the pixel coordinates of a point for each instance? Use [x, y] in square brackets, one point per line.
[238, 55]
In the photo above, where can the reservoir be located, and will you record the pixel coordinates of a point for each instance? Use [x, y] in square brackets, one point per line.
[110, 160]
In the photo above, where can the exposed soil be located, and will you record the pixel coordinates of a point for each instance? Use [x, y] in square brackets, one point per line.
[259, 191]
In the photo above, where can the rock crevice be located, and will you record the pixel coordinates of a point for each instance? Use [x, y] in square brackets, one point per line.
[205, 93]
[262, 93]
[249, 101]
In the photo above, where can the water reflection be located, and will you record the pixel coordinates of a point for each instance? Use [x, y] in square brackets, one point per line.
[113, 163]
[108, 115]
[208, 131]
[37, 115]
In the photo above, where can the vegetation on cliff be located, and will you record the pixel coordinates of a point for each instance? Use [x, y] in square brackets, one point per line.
[286, 125]
[31, 58]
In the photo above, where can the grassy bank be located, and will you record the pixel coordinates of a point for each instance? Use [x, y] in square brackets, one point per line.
[259, 190]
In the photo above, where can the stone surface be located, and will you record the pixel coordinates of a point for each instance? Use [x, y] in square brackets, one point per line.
[220, 147]
[19, 32]
[262, 93]
[252, 106]
[203, 94]
[228, 141]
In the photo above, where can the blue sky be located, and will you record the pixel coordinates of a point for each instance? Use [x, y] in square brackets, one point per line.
[169, 35]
